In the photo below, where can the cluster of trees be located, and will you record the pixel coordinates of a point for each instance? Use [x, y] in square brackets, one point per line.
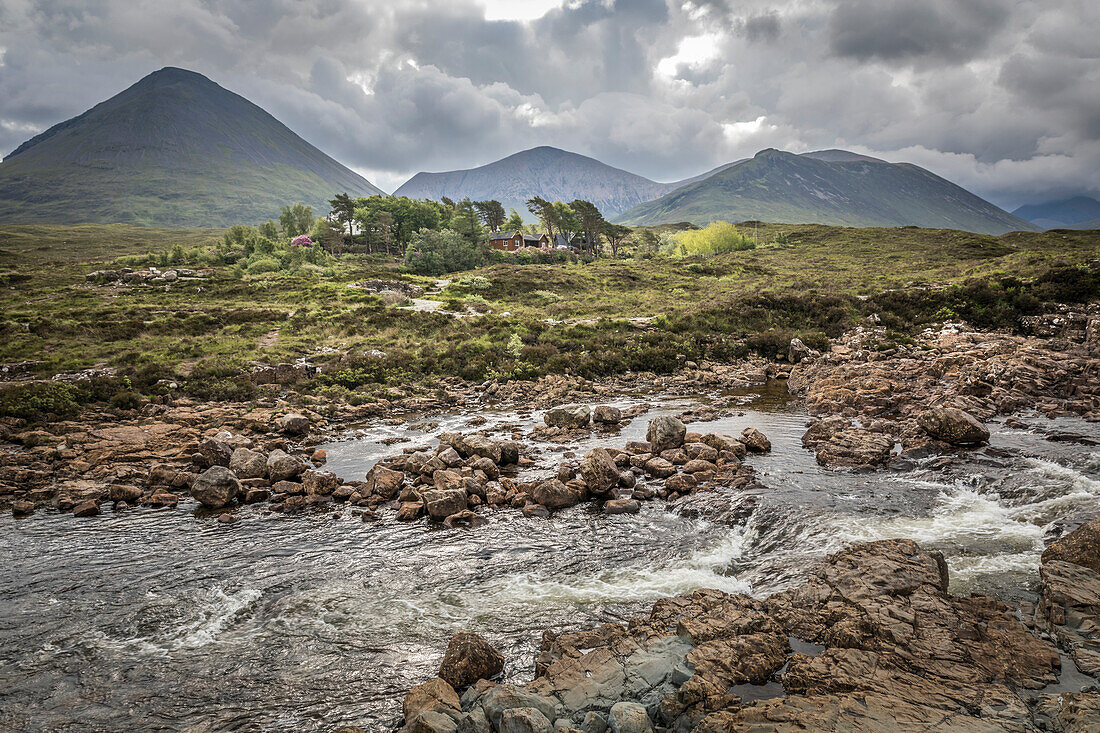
[581, 221]
[389, 223]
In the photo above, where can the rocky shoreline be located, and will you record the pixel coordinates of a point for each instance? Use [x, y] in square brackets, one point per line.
[872, 641]
[933, 395]
[869, 399]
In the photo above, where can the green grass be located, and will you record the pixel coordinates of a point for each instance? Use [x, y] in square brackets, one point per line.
[44, 243]
[567, 318]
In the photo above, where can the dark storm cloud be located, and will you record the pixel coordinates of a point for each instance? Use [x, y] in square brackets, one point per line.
[761, 27]
[946, 30]
[998, 95]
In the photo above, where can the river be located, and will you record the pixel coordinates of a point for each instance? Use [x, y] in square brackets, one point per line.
[163, 620]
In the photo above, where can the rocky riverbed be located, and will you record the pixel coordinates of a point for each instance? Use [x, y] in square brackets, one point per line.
[326, 542]
[872, 640]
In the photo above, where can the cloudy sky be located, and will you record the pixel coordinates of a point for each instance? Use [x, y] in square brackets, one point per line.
[1001, 96]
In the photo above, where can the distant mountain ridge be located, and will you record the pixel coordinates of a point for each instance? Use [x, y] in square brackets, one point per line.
[826, 187]
[553, 174]
[174, 149]
[1079, 212]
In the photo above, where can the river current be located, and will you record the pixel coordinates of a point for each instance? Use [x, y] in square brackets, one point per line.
[162, 620]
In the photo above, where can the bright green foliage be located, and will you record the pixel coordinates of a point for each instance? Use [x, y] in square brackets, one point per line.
[296, 220]
[437, 253]
[515, 221]
[717, 238]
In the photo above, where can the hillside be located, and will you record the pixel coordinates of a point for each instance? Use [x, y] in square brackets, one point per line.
[548, 172]
[1072, 213]
[858, 191]
[175, 149]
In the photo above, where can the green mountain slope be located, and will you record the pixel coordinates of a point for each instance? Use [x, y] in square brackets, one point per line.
[175, 149]
[781, 187]
[553, 174]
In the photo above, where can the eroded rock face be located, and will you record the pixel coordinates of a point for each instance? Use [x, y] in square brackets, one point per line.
[872, 641]
[836, 442]
[665, 433]
[216, 487]
[470, 658]
[953, 425]
[1069, 604]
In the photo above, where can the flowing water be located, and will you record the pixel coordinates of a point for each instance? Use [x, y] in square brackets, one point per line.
[160, 620]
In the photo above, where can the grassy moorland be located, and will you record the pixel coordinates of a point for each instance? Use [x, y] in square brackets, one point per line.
[504, 321]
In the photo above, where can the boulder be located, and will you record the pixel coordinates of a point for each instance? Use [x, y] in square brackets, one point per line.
[22, 508]
[659, 468]
[725, 443]
[216, 487]
[621, 506]
[435, 695]
[442, 503]
[755, 440]
[409, 510]
[568, 416]
[798, 351]
[607, 415]
[469, 658]
[554, 494]
[86, 509]
[524, 720]
[283, 467]
[383, 482]
[467, 519]
[665, 433]
[433, 721]
[294, 424]
[599, 471]
[1080, 547]
[320, 483]
[953, 425]
[535, 511]
[698, 465]
[629, 717]
[247, 463]
[510, 697]
[213, 452]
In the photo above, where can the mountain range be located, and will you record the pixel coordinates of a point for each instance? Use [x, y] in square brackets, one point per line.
[174, 149]
[828, 187]
[1079, 212]
[177, 149]
[553, 174]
